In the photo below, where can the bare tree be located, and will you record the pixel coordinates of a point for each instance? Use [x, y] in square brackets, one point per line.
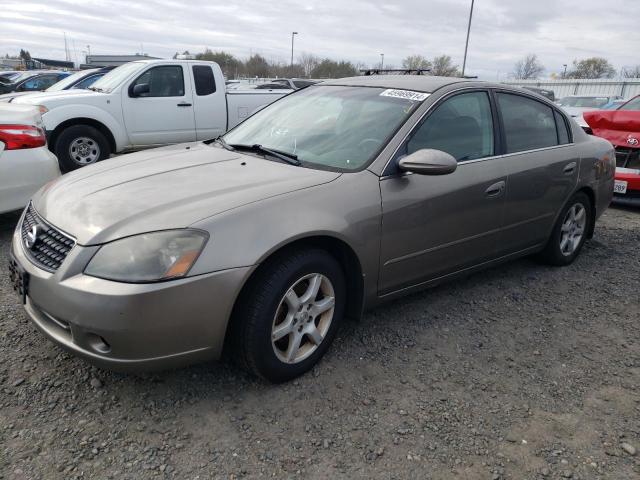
[443, 66]
[528, 68]
[632, 72]
[594, 67]
[415, 62]
[309, 61]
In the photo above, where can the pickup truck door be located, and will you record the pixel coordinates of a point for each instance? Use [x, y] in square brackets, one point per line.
[210, 106]
[163, 113]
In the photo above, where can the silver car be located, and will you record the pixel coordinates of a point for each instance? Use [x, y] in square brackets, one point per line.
[330, 201]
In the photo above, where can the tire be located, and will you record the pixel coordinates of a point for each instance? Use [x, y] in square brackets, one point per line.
[264, 311]
[561, 252]
[89, 144]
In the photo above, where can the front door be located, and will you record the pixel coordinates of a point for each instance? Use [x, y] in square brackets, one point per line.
[163, 114]
[436, 225]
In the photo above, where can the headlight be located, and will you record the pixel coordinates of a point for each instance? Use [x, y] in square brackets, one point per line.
[42, 109]
[150, 257]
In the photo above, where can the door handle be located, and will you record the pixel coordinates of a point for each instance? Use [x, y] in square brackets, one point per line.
[495, 190]
[570, 168]
[184, 104]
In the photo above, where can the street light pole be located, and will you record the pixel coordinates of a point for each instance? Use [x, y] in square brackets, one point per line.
[382, 61]
[293, 34]
[466, 47]
[564, 74]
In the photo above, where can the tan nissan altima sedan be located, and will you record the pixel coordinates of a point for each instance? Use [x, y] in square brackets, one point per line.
[327, 202]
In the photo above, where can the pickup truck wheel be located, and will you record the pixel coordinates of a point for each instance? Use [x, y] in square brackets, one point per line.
[289, 314]
[79, 146]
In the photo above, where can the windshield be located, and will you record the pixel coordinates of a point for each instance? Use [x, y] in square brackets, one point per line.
[116, 76]
[68, 81]
[584, 102]
[633, 104]
[332, 127]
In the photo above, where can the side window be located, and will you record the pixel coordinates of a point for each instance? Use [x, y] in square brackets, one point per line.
[563, 131]
[164, 81]
[87, 82]
[40, 82]
[528, 124]
[204, 79]
[462, 126]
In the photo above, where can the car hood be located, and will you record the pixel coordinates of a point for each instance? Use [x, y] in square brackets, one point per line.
[44, 98]
[620, 127]
[8, 96]
[170, 187]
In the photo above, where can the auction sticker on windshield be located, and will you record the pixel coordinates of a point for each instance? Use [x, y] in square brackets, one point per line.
[406, 94]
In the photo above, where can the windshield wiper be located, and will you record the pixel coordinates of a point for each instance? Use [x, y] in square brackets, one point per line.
[289, 158]
[222, 142]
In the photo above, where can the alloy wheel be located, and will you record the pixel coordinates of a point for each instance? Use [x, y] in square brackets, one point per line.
[573, 228]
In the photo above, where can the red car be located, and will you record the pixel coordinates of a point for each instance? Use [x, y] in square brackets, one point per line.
[622, 128]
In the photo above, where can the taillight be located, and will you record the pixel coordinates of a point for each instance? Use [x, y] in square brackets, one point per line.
[17, 137]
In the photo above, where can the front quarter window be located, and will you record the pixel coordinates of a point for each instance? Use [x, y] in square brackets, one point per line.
[330, 127]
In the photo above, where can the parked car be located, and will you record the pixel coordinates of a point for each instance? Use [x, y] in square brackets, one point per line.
[576, 105]
[32, 81]
[295, 83]
[273, 86]
[82, 79]
[334, 199]
[25, 162]
[622, 128]
[9, 74]
[143, 104]
[546, 93]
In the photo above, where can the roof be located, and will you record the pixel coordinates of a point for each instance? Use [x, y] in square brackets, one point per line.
[54, 63]
[419, 83]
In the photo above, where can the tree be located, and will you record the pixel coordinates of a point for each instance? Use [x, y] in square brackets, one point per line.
[308, 61]
[25, 55]
[633, 72]
[256, 66]
[228, 63]
[594, 67]
[331, 69]
[415, 62]
[443, 66]
[528, 68]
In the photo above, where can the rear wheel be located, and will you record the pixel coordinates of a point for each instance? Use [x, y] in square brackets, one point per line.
[569, 233]
[286, 320]
[81, 145]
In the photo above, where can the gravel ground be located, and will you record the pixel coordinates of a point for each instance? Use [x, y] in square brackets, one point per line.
[519, 372]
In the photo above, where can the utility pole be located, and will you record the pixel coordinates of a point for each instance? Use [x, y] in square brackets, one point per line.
[466, 47]
[382, 61]
[564, 74]
[293, 34]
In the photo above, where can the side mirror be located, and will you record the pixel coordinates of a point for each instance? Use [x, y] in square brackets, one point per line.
[428, 162]
[140, 89]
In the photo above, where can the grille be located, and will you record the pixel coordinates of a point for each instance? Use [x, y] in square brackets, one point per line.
[627, 157]
[45, 245]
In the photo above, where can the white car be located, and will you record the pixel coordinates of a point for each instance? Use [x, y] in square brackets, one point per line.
[143, 104]
[26, 164]
[576, 105]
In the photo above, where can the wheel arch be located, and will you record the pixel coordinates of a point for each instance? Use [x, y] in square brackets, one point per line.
[101, 127]
[588, 191]
[339, 249]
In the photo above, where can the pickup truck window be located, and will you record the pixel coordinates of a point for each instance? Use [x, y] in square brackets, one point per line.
[204, 79]
[164, 81]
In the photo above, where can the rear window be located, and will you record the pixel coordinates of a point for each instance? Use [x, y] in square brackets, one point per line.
[563, 131]
[204, 79]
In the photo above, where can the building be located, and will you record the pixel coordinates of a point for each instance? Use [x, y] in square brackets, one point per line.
[95, 61]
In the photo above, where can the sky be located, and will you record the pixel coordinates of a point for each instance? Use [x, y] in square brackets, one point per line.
[502, 32]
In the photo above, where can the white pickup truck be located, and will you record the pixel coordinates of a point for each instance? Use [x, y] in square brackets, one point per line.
[143, 104]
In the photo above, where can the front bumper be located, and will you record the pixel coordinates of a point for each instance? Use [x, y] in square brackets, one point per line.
[130, 327]
[632, 196]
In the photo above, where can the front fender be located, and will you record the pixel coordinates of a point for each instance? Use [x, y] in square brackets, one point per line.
[63, 113]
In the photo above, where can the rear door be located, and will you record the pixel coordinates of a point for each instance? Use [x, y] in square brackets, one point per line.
[165, 113]
[210, 108]
[436, 225]
[542, 167]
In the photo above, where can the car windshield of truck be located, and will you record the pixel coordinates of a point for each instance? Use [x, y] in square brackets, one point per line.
[633, 104]
[329, 127]
[584, 102]
[115, 77]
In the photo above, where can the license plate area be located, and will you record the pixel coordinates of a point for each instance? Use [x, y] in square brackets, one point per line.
[19, 279]
[620, 186]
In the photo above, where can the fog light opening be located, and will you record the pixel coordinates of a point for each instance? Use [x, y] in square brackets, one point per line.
[97, 343]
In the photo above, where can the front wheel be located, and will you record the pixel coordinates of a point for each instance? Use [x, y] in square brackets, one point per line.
[569, 233]
[80, 145]
[288, 317]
